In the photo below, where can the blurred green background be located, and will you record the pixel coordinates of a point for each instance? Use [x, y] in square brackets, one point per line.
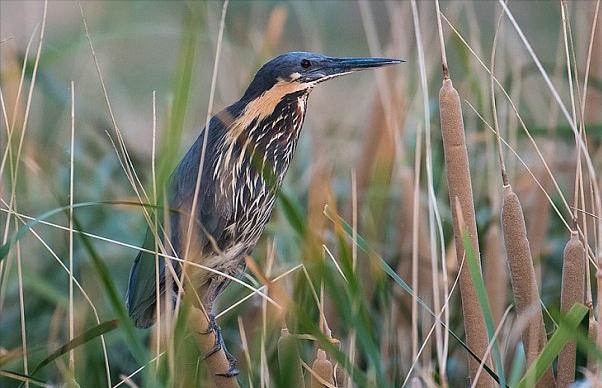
[360, 129]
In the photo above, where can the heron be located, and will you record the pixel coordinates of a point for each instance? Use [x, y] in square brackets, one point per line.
[243, 156]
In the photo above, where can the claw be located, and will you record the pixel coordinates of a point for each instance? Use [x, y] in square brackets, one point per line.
[212, 326]
[219, 340]
[219, 345]
[232, 372]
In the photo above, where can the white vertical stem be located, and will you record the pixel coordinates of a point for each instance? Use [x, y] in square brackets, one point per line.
[71, 321]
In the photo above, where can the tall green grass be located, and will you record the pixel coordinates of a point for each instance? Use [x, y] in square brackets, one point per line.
[343, 284]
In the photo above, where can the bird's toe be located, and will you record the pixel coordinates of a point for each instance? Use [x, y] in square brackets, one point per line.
[219, 340]
[232, 372]
[213, 327]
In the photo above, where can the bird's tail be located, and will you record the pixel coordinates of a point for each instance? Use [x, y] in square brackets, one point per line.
[141, 293]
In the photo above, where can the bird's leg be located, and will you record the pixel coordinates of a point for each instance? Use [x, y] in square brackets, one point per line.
[233, 370]
[219, 345]
[213, 327]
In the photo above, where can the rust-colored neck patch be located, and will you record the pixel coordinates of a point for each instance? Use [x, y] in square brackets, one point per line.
[264, 105]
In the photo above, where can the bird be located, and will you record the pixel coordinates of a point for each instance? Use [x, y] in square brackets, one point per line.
[244, 153]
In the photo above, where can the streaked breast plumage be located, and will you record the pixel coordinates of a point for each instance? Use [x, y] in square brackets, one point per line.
[252, 163]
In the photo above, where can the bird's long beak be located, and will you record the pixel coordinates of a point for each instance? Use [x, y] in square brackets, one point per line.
[360, 63]
[333, 67]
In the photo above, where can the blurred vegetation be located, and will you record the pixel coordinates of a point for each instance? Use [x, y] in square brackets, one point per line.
[352, 178]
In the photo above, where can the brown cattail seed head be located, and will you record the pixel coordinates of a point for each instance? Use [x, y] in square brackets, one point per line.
[524, 283]
[460, 191]
[323, 368]
[573, 289]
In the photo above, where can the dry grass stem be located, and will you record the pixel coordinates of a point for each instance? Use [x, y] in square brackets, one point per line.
[17, 99]
[415, 252]
[383, 276]
[71, 268]
[572, 123]
[495, 272]
[434, 219]
[538, 217]
[22, 312]
[444, 66]
[598, 337]
[125, 379]
[195, 205]
[437, 322]
[499, 327]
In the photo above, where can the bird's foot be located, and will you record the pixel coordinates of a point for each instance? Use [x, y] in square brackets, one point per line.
[233, 370]
[219, 340]
[219, 345]
[213, 327]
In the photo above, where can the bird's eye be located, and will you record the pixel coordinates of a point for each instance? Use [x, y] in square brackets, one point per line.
[305, 63]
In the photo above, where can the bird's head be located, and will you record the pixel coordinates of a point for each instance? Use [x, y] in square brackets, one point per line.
[297, 71]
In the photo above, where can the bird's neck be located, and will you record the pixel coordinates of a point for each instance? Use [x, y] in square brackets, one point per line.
[268, 104]
[260, 141]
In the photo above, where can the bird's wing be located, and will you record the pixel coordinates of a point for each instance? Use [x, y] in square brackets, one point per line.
[214, 215]
[212, 208]
[141, 292]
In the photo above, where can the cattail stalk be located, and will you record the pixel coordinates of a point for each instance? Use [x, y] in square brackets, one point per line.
[598, 336]
[573, 283]
[495, 275]
[460, 188]
[593, 334]
[217, 362]
[524, 283]
[538, 217]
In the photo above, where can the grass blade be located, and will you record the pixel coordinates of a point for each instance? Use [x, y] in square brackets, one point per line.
[114, 297]
[23, 377]
[4, 249]
[477, 279]
[565, 332]
[363, 245]
[292, 212]
[81, 339]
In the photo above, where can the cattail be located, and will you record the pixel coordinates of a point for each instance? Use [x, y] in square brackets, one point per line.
[524, 283]
[598, 336]
[217, 362]
[573, 283]
[495, 273]
[340, 376]
[593, 334]
[289, 359]
[323, 368]
[415, 382]
[460, 188]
